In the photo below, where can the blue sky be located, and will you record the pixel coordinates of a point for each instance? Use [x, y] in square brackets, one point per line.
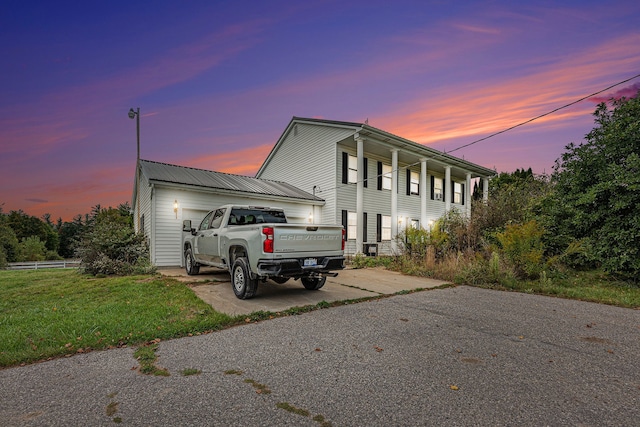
[218, 81]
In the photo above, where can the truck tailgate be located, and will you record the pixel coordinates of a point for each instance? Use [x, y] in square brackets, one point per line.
[301, 238]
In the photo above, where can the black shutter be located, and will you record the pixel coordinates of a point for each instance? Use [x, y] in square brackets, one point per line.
[364, 226]
[462, 185]
[379, 175]
[345, 224]
[453, 191]
[379, 228]
[365, 172]
[432, 187]
[345, 168]
[408, 182]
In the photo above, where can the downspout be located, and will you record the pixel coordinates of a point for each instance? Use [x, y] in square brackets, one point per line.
[152, 226]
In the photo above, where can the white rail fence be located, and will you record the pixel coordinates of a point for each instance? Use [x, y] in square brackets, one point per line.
[37, 265]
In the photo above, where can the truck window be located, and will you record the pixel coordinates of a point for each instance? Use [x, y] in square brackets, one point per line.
[217, 218]
[205, 222]
[256, 216]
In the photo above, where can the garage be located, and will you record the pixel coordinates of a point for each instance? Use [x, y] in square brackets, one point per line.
[165, 195]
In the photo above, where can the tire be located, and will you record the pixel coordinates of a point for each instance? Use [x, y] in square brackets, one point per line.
[280, 280]
[243, 285]
[313, 283]
[190, 263]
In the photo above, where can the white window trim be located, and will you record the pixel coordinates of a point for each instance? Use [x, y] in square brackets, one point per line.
[352, 225]
[415, 183]
[352, 169]
[385, 233]
[386, 176]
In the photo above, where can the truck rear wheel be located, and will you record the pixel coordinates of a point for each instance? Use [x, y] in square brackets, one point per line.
[313, 283]
[243, 285]
[190, 263]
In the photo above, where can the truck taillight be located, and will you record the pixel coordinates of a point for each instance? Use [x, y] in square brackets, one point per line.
[344, 237]
[267, 245]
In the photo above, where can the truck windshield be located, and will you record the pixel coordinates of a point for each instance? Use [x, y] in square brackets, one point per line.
[256, 216]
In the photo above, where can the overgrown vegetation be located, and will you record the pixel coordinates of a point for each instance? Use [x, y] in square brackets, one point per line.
[575, 233]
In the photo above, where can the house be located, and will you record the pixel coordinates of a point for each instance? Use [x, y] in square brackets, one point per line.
[164, 195]
[320, 171]
[373, 182]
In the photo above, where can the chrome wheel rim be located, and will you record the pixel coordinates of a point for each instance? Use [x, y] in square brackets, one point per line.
[238, 279]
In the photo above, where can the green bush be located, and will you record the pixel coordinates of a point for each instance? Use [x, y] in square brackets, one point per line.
[110, 246]
[31, 249]
[522, 246]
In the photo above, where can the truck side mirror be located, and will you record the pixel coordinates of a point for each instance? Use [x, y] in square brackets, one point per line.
[186, 225]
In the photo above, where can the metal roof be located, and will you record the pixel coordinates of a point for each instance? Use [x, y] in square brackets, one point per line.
[174, 174]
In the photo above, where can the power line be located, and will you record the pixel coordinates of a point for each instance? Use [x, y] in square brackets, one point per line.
[442, 155]
[545, 114]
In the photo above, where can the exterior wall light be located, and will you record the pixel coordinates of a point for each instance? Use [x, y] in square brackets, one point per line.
[175, 207]
[310, 217]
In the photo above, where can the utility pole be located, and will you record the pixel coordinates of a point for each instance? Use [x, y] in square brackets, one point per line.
[136, 114]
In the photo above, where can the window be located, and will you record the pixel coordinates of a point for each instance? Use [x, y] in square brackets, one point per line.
[457, 193]
[205, 222]
[415, 224]
[438, 189]
[386, 227]
[386, 177]
[414, 183]
[217, 218]
[352, 225]
[353, 169]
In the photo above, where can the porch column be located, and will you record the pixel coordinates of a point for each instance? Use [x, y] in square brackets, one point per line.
[485, 190]
[423, 193]
[467, 195]
[394, 199]
[447, 189]
[360, 195]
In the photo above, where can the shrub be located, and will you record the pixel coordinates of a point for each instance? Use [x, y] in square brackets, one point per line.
[110, 246]
[522, 246]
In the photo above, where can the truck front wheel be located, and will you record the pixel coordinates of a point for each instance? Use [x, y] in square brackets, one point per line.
[190, 263]
[243, 285]
[313, 283]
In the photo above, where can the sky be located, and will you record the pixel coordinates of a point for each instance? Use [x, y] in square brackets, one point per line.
[217, 82]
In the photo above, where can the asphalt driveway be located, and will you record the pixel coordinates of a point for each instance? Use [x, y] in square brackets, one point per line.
[454, 356]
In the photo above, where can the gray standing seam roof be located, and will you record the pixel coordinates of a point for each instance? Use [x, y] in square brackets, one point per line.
[163, 172]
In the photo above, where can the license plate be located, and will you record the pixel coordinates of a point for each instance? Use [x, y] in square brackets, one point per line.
[310, 262]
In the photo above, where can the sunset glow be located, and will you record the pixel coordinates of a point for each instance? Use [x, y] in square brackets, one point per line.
[217, 83]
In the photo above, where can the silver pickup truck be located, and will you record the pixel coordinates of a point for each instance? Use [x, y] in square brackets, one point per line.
[257, 243]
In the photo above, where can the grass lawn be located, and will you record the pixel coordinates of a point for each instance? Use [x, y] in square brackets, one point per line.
[49, 313]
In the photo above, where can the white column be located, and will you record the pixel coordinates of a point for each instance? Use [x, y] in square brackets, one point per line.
[447, 189]
[394, 199]
[485, 190]
[423, 193]
[467, 195]
[360, 195]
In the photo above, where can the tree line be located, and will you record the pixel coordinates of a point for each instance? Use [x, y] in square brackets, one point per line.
[104, 240]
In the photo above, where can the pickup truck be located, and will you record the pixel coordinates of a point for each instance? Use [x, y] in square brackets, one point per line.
[256, 243]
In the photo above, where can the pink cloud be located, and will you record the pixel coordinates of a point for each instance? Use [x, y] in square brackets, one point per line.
[471, 110]
[626, 92]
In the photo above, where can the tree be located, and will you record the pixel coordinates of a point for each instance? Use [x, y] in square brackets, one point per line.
[596, 198]
[25, 226]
